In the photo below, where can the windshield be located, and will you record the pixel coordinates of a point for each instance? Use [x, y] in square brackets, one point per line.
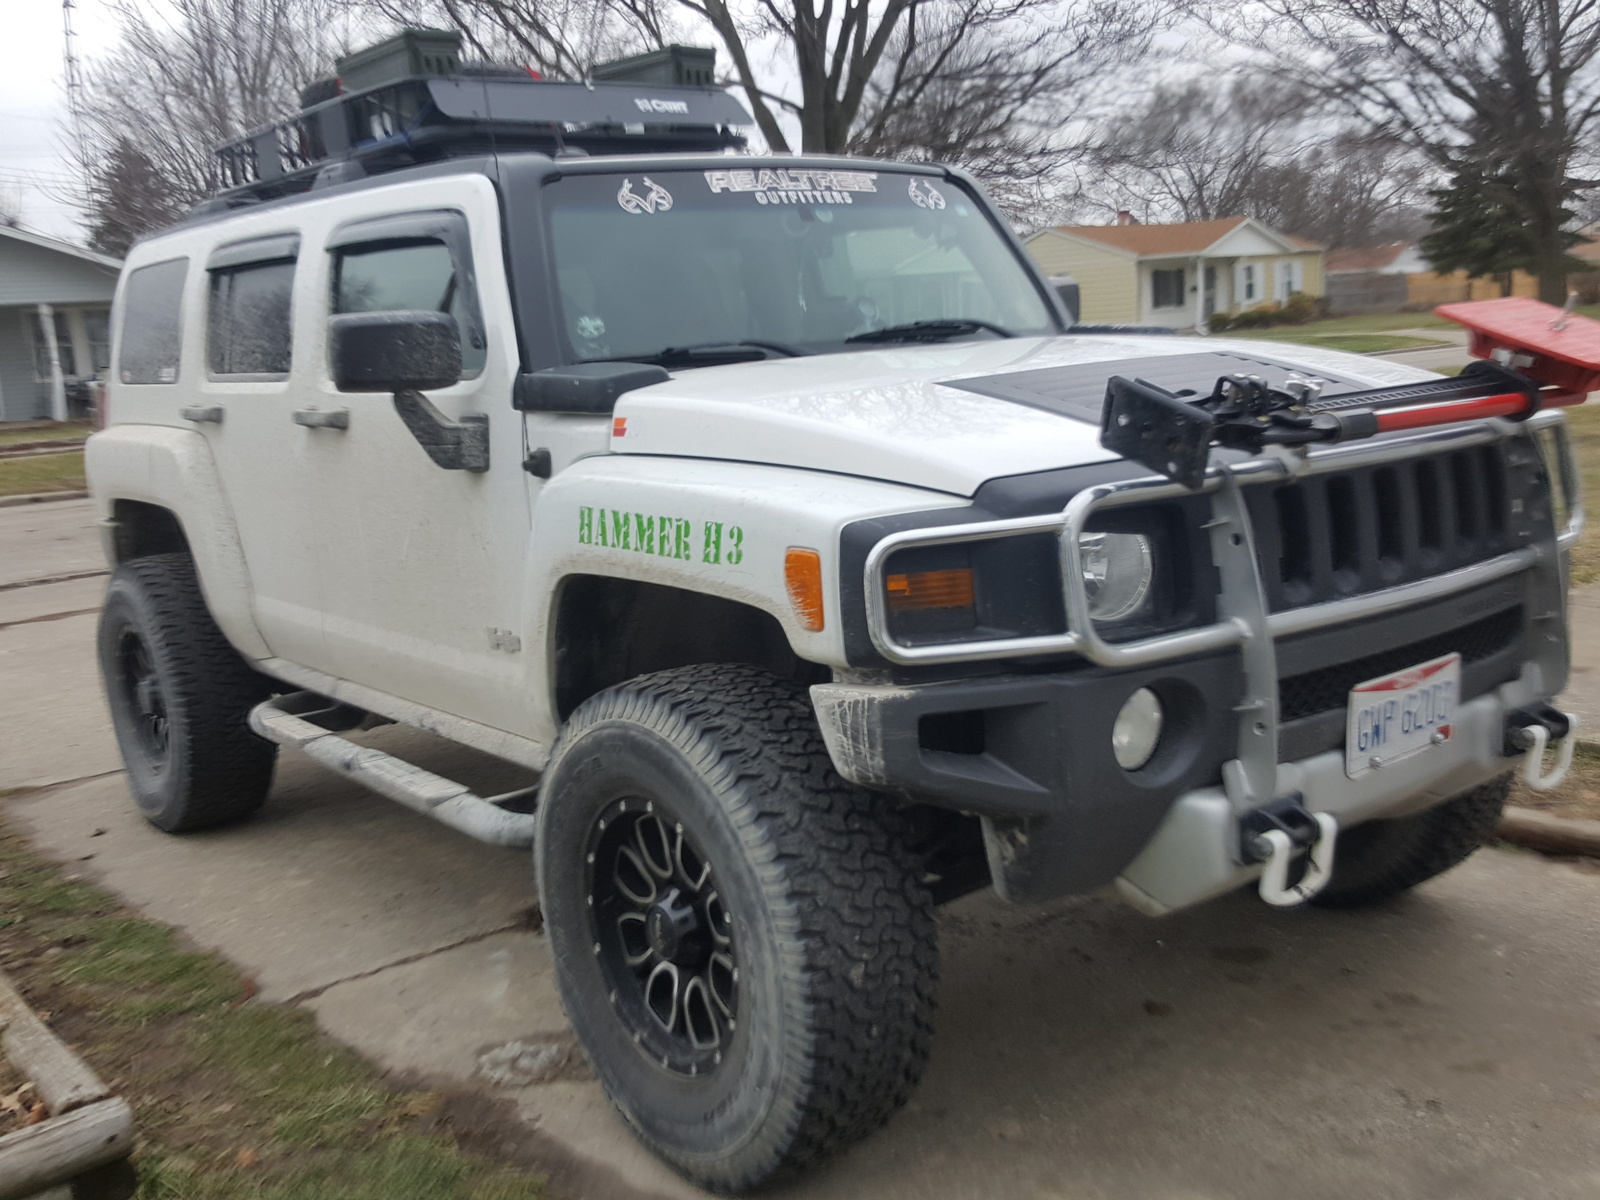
[780, 261]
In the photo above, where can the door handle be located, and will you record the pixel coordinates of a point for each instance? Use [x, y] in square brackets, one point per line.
[202, 414]
[323, 418]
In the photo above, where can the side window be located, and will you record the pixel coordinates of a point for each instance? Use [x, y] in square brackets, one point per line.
[248, 330]
[152, 323]
[411, 273]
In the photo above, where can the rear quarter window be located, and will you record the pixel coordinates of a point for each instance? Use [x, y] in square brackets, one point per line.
[152, 323]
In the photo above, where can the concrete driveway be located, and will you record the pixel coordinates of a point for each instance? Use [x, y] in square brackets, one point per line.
[1447, 1046]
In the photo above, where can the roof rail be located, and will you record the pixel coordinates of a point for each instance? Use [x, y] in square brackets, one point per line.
[481, 110]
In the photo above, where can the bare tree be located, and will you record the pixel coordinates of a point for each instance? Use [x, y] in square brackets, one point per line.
[561, 39]
[1001, 87]
[1502, 89]
[1259, 147]
[10, 207]
[157, 106]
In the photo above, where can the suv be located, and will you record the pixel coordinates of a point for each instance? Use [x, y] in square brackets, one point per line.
[761, 505]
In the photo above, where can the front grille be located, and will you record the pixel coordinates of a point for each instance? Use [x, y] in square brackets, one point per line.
[1329, 688]
[1347, 533]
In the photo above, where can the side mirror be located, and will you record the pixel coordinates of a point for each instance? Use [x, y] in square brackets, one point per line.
[1066, 289]
[407, 353]
[591, 387]
[394, 351]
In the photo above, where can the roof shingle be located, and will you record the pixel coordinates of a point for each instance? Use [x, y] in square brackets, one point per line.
[1182, 237]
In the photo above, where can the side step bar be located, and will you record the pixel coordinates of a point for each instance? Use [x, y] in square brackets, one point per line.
[429, 794]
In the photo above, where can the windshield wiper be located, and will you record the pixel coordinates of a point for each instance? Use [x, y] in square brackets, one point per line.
[930, 331]
[708, 354]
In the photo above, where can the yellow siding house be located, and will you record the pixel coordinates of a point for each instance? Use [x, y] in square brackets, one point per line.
[1177, 275]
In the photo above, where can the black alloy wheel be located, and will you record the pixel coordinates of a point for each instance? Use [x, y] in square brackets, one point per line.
[141, 693]
[666, 938]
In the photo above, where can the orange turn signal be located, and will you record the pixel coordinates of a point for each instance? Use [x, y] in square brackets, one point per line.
[930, 589]
[802, 571]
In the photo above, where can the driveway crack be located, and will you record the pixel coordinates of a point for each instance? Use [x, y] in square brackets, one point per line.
[60, 616]
[68, 577]
[521, 923]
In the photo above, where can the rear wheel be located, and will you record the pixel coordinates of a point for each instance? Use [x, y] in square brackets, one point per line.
[740, 937]
[180, 696]
[1381, 859]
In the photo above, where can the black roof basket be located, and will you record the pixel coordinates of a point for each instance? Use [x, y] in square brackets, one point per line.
[425, 119]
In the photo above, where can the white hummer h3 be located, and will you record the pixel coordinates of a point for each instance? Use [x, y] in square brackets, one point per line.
[762, 506]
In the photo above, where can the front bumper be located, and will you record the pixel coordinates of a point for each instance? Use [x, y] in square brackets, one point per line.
[1257, 717]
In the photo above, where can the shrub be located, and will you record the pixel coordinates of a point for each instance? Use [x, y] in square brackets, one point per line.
[1298, 309]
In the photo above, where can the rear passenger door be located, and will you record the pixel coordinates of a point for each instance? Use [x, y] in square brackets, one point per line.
[422, 566]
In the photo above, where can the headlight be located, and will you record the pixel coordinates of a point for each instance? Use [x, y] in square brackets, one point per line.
[1117, 569]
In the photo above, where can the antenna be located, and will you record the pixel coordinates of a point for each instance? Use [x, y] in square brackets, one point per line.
[74, 78]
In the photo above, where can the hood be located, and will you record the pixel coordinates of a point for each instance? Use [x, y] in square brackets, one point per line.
[949, 417]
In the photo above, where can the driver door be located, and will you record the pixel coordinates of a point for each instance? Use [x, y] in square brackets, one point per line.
[423, 566]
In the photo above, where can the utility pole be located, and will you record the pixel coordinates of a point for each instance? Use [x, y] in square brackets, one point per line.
[74, 81]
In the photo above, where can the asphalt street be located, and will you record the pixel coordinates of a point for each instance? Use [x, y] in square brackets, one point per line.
[1446, 1047]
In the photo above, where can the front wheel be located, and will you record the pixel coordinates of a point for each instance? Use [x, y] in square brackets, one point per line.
[740, 937]
[1379, 860]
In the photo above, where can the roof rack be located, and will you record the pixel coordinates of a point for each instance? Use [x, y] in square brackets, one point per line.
[423, 119]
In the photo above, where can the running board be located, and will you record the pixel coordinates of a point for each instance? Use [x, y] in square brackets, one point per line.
[431, 795]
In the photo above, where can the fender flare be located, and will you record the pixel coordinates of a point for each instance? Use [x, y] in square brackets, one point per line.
[174, 469]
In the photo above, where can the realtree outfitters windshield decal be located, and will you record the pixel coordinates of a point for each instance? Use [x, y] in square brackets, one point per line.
[797, 185]
[664, 537]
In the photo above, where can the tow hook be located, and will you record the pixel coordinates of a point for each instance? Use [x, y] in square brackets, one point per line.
[1280, 832]
[1531, 730]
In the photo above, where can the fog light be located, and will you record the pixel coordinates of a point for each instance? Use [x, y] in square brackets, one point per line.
[1138, 729]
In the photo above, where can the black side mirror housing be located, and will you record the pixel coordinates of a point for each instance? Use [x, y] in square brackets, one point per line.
[1066, 290]
[583, 387]
[394, 351]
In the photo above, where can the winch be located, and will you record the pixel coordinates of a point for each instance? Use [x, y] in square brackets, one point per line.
[1531, 356]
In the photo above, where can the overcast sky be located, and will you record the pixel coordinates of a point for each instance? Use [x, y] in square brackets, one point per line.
[33, 107]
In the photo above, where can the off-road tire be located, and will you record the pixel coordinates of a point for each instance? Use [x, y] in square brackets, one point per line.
[834, 931]
[213, 769]
[1379, 860]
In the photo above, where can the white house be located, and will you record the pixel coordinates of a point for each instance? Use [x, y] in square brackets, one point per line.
[55, 326]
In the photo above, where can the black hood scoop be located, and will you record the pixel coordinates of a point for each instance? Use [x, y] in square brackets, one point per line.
[1078, 390]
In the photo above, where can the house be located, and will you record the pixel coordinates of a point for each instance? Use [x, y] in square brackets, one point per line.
[1396, 276]
[1177, 275]
[1370, 279]
[55, 322]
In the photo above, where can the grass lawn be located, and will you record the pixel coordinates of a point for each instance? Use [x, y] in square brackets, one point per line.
[1366, 323]
[40, 432]
[1579, 793]
[1585, 423]
[1355, 343]
[42, 473]
[233, 1099]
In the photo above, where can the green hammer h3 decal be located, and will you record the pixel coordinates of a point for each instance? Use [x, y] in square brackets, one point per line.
[665, 537]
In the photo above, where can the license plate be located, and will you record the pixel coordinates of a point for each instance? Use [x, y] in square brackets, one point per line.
[1395, 716]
